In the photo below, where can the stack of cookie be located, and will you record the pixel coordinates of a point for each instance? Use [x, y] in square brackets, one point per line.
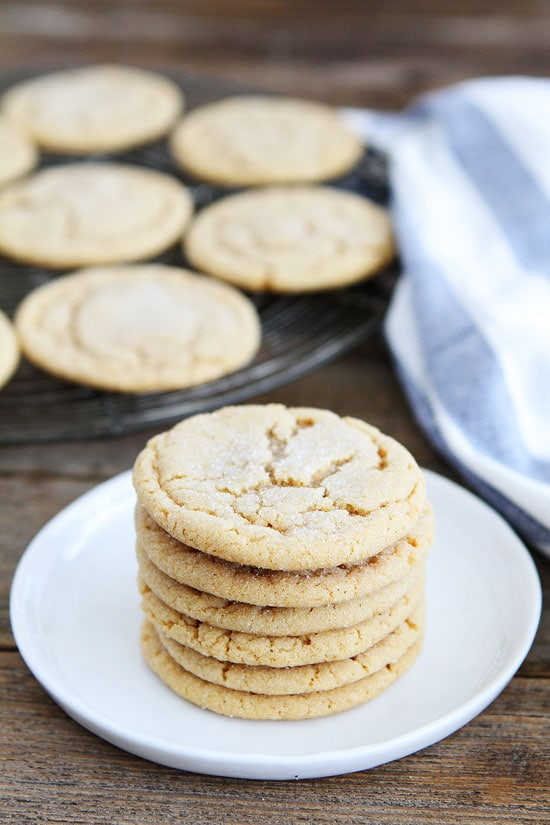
[281, 560]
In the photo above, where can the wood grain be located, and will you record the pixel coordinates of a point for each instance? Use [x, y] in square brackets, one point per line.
[354, 53]
[494, 770]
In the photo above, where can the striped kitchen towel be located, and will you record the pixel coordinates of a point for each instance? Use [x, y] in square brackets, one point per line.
[469, 322]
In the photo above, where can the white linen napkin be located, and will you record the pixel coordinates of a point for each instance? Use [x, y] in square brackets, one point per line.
[469, 322]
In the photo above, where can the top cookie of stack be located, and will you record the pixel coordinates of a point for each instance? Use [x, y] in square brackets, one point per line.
[280, 489]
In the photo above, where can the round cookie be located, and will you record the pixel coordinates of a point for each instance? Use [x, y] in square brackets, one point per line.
[278, 588]
[100, 108]
[251, 140]
[305, 678]
[268, 621]
[291, 239]
[17, 154]
[9, 349]
[279, 651]
[92, 213]
[261, 706]
[141, 328]
[280, 488]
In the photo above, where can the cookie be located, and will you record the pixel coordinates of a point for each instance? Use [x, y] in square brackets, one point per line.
[140, 328]
[278, 488]
[100, 108]
[279, 651]
[302, 679]
[268, 621]
[277, 588]
[291, 239]
[17, 154]
[256, 140]
[261, 706]
[9, 349]
[92, 213]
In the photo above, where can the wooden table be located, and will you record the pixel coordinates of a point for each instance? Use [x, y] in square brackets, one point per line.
[53, 771]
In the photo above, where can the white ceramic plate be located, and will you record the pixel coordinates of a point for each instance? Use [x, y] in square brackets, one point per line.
[75, 617]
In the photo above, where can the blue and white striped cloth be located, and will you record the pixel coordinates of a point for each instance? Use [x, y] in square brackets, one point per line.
[469, 323]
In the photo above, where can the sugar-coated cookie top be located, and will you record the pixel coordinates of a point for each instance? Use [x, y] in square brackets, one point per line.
[94, 109]
[280, 488]
[251, 140]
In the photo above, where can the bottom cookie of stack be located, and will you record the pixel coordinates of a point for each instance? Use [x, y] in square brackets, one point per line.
[383, 664]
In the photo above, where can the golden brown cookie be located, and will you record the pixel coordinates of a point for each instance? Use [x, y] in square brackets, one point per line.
[92, 213]
[9, 349]
[278, 488]
[261, 706]
[291, 239]
[268, 621]
[140, 328]
[279, 651]
[281, 588]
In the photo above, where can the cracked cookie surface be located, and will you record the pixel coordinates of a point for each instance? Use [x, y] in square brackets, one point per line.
[291, 239]
[252, 140]
[304, 678]
[248, 705]
[279, 651]
[279, 488]
[138, 328]
[92, 213]
[94, 109]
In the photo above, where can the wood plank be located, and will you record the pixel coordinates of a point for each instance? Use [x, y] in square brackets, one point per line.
[338, 52]
[492, 771]
[314, 9]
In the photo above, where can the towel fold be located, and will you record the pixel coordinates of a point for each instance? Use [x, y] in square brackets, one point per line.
[469, 322]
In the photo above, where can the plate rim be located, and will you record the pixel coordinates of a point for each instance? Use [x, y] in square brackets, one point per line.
[265, 765]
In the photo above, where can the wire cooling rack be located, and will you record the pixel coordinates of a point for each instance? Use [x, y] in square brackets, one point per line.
[299, 332]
